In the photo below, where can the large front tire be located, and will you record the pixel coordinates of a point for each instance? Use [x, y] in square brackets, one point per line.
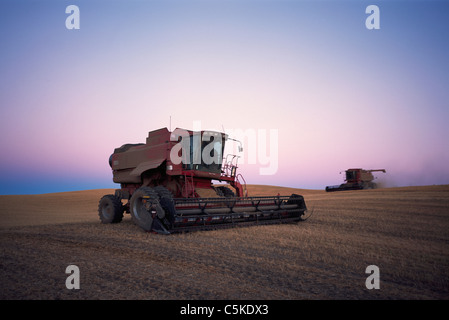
[166, 201]
[144, 207]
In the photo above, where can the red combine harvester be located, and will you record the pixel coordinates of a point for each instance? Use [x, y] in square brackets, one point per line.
[166, 186]
[356, 179]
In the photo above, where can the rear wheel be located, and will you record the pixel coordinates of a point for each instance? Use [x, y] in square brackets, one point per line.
[110, 209]
[144, 207]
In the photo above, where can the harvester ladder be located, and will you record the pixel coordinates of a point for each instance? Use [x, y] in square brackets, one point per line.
[245, 190]
[189, 187]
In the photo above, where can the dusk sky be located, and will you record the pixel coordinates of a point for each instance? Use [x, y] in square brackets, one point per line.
[337, 94]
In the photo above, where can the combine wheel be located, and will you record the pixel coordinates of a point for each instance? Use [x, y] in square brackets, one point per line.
[163, 192]
[166, 202]
[144, 207]
[224, 192]
[110, 209]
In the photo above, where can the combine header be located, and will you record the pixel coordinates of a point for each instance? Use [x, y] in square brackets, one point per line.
[356, 179]
[166, 186]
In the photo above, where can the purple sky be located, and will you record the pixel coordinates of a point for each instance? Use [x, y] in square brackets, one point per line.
[337, 94]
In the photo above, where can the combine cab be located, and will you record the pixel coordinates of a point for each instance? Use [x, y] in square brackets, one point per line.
[356, 179]
[166, 186]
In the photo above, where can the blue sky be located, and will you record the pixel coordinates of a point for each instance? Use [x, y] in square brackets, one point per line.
[338, 94]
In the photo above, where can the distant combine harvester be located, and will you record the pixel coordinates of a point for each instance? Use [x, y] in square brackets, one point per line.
[356, 179]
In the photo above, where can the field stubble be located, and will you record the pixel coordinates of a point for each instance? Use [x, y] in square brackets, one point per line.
[404, 231]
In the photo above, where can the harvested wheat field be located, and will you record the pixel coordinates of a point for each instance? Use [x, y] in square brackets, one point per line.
[403, 231]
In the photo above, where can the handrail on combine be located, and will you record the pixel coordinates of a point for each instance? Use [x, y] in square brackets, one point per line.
[229, 167]
[243, 184]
